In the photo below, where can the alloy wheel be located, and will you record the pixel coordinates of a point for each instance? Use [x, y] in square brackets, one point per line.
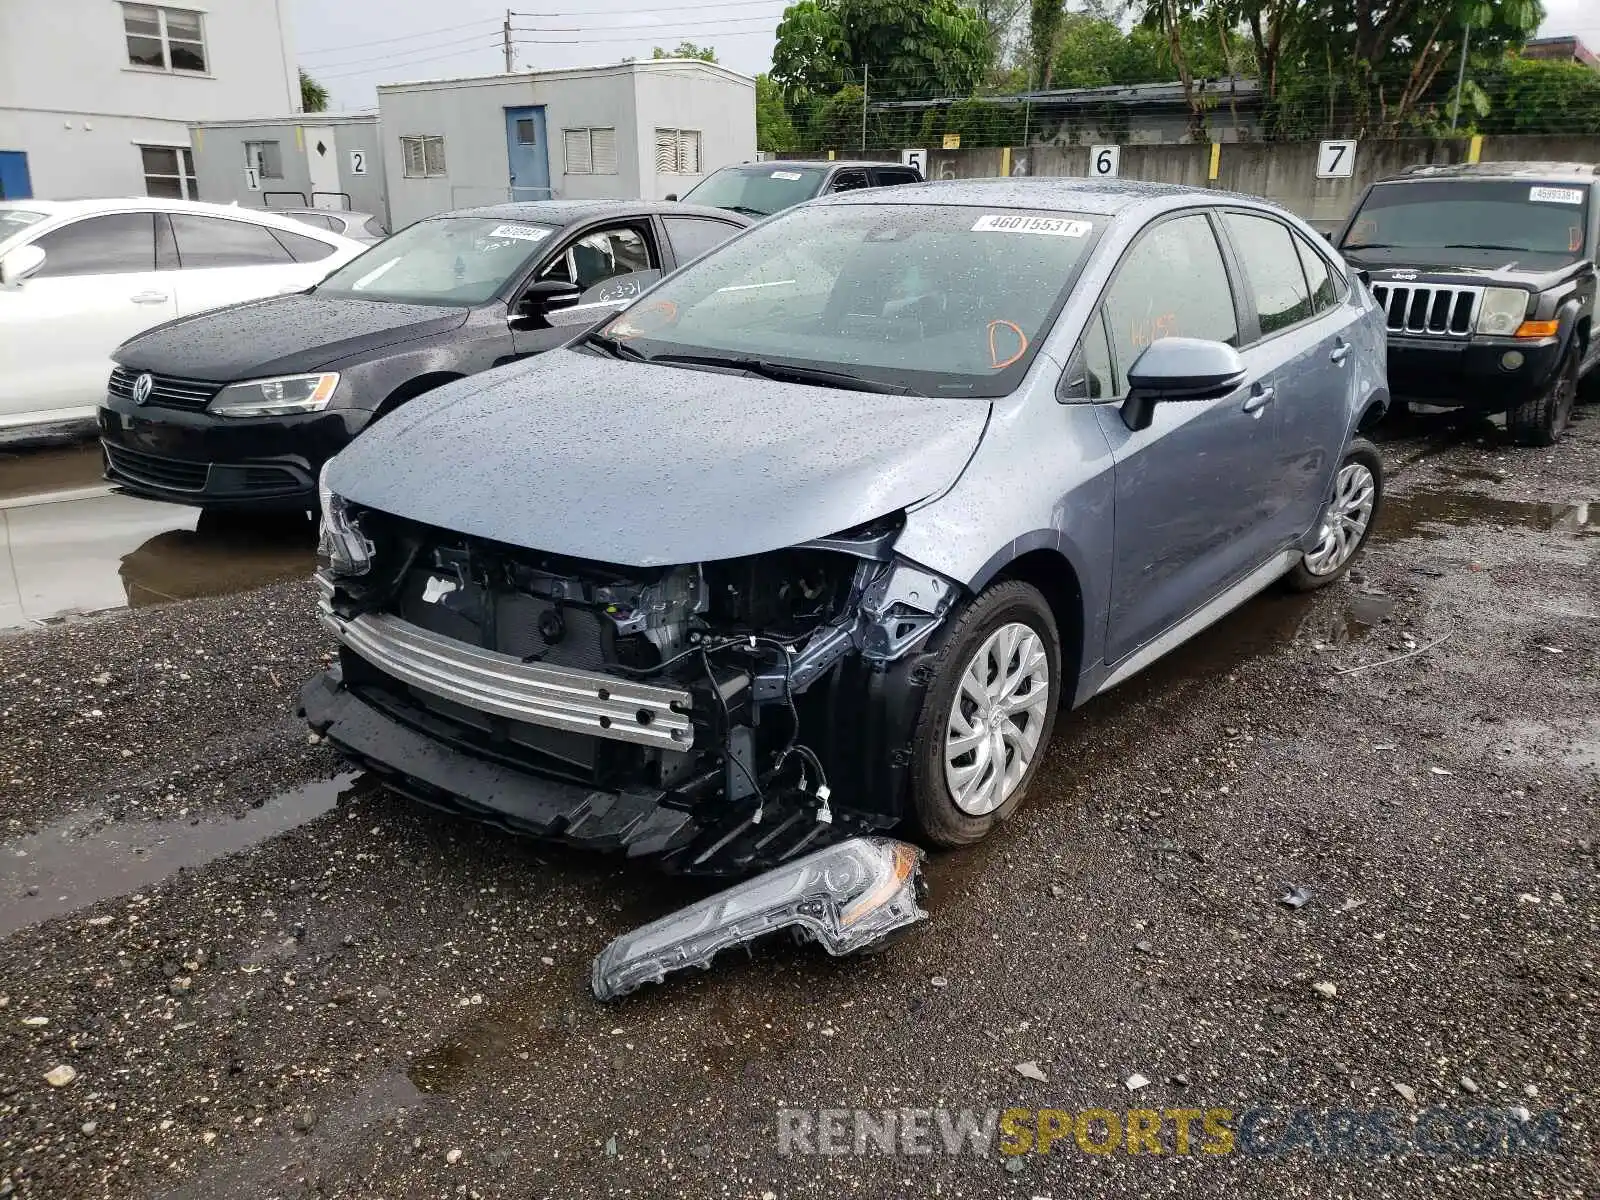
[1345, 522]
[996, 719]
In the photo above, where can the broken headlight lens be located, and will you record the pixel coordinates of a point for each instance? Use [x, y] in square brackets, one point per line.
[276, 397]
[339, 539]
[1502, 310]
[848, 896]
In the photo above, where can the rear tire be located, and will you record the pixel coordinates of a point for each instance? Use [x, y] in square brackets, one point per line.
[1541, 420]
[1347, 519]
[984, 722]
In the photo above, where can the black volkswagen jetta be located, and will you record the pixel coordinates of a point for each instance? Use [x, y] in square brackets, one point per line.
[241, 406]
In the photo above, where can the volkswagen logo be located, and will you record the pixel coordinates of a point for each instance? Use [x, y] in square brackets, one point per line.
[142, 387]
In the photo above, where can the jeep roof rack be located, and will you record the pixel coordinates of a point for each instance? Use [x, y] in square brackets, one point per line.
[1506, 168]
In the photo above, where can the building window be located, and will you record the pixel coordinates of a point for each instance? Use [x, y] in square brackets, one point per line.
[265, 157]
[591, 151]
[169, 172]
[678, 151]
[166, 39]
[422, 156]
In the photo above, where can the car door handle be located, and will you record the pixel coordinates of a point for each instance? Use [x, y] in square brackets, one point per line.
[1259, 400]
[149, 297]
[1339, 353]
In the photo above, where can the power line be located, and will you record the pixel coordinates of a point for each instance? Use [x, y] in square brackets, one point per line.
[387, 41]
[353, 62]
[666, 33]
[718, 22]
[410, 62]
[666, 8]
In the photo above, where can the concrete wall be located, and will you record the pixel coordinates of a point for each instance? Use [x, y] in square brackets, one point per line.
[632, 98]
[72, 102]
[219, 161]
[1285, 172]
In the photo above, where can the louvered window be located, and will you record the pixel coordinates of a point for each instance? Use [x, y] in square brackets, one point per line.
[678, 151]
[590, 151]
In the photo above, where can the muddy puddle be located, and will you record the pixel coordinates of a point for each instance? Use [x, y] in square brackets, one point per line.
[1431, 514]
[46, 470]
[86, 857]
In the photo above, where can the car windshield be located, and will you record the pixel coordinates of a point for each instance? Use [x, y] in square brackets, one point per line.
[455, 261]
[1499, 215]
[757, 191]
[14, 220]
[931, 299]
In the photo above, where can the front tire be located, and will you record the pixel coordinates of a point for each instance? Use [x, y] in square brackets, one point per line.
[986, 720]
[1541, 420]
[1347, 519]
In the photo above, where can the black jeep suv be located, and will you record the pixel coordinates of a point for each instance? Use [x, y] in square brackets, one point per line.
[1487, 275]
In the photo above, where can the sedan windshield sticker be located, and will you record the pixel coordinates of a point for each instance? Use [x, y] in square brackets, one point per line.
[1550, 195]
[786, 174]
[522, 233]
[1054, 226]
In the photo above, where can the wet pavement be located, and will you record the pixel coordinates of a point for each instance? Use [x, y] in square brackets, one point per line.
[273, 979]
[70, 546]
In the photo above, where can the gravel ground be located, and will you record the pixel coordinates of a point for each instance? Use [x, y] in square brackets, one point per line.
[275, 980]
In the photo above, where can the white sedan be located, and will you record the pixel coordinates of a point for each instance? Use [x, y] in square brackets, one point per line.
[80, 277]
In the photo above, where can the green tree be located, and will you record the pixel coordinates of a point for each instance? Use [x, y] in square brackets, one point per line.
[774, 127]
[1044, 30]
[908, 50]
[1539, 96]
[313, 96]
[686, 50]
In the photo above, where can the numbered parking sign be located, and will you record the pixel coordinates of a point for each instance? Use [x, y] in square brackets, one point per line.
[358, 162]
[1336, 160]
[1104, 161]
[917, 159]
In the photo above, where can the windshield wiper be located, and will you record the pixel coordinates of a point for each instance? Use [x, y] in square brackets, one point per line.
[787, 373]
[616, 347]
[1488, 246]
[746, 210]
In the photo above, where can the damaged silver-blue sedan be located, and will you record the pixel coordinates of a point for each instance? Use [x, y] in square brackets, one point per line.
[814, 539]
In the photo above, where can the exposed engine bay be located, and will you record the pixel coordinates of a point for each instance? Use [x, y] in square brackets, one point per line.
[718, 716]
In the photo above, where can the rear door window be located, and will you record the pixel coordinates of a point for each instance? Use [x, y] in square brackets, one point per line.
[693, 236]
[304, 249]
[889, 176]
[1326, 294]
[317, 219]
[849, 181]
[1171, 284]
[209, 242]
[1272, 269]
[114, 244]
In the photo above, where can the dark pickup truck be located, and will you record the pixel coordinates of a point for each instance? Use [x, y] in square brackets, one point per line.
[1486, 273]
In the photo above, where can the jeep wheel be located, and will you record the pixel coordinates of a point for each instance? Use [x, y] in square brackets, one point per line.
[988, 714]
[1346, 521]
[1542, 420]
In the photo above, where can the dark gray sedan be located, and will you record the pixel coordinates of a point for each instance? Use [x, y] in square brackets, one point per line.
[241, 406]
[818, 536]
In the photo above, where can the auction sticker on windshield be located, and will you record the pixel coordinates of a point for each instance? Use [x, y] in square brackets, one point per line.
[786, 174]
[1054, 226]
[1550, 195]
[522, 233]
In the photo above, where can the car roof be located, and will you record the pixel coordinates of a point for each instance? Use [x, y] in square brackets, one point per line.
[573, 212]
[60, 209]
[1573, 171]
[779, 164]
[1094, 197]
[348, 214]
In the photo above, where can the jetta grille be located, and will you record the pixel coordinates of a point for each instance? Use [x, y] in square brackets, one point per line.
[1428, 309]
[190, 395]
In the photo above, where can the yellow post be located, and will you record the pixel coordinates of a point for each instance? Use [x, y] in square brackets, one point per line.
[299, 139]
[1216, 161]
[830, 155]
[1475, 148]
[1005, 162]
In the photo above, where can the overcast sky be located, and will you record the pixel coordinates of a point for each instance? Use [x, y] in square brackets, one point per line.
[351, 46]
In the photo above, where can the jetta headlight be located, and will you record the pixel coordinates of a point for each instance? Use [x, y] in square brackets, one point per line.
[1502, 311]
[340, 540]
[275, 397]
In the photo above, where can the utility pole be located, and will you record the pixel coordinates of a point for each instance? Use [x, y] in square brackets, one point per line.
[1461, 76]
[505, 35]
[863, 106]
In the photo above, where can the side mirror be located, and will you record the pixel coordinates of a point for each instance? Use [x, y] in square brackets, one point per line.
[19, 264]
[672, 195]
[543, 295]
[1179, 369]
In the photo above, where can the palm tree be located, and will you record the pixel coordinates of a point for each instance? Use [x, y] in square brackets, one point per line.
[313, 96]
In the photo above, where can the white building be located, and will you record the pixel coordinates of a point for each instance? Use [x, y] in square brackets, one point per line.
[96, 96]
[642, 129]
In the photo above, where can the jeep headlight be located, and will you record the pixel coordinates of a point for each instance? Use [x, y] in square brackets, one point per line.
[1502, 311]
[276, 397]
[339, 539]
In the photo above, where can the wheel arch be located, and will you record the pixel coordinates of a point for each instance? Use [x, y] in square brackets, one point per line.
[1039, 560]
[414, 387]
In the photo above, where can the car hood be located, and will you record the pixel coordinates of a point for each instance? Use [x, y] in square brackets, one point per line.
[641, 465]
[1523, 269]
[280, 335]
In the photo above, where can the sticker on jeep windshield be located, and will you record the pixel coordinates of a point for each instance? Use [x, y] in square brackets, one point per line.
[1550, 195]
[1053, 226]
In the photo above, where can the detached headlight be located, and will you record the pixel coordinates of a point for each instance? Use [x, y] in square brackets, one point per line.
[340, 540]
[1502, 311]
[275, 397]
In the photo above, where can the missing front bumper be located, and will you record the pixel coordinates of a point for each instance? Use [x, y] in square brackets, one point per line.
[848, 897]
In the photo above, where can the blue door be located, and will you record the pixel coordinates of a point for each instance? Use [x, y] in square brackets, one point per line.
[14, 183]
[529, 153]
